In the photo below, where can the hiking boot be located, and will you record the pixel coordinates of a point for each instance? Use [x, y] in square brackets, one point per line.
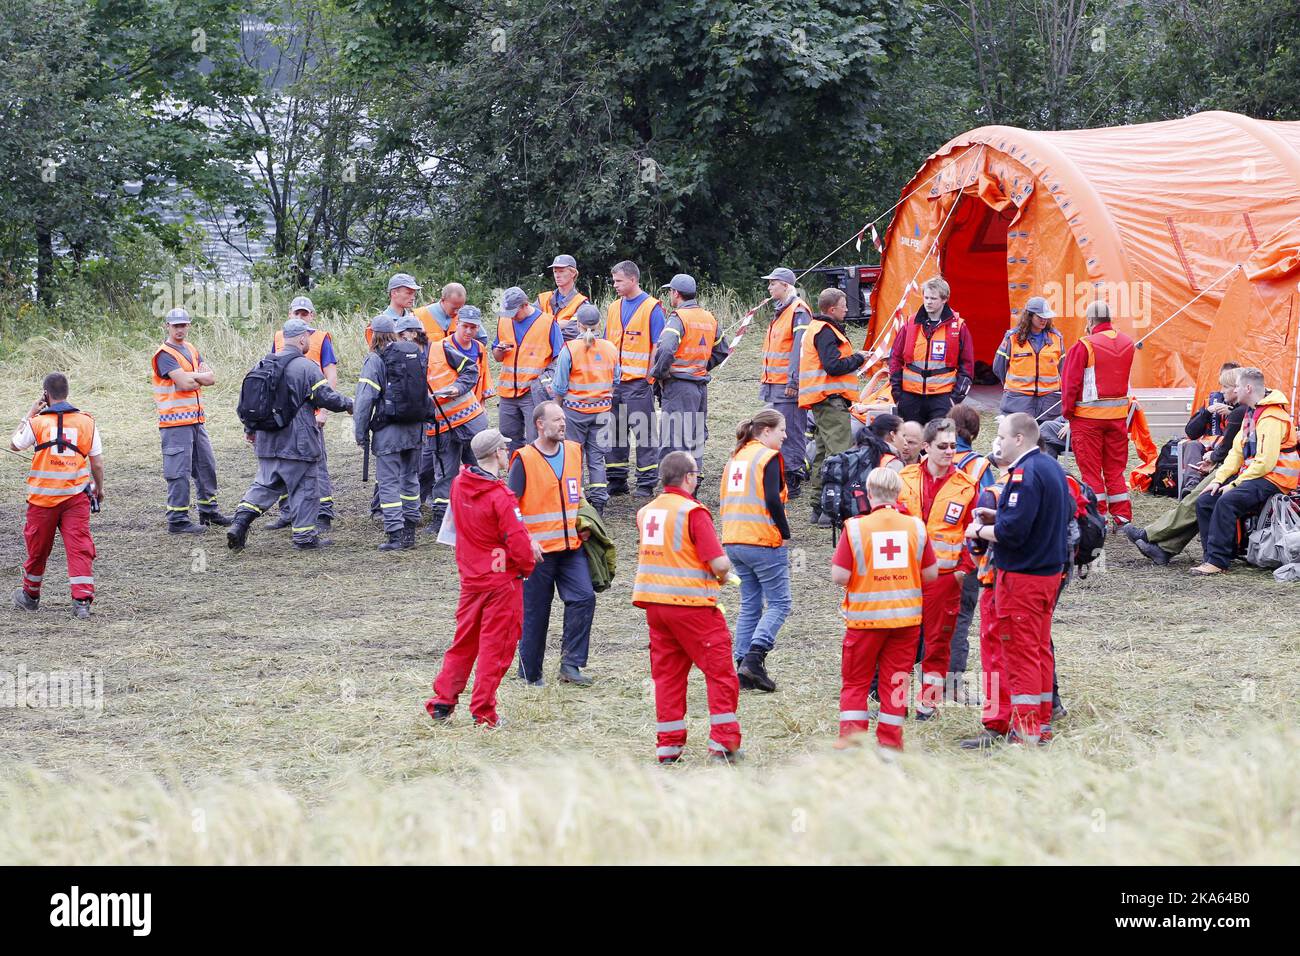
[237, 536]
[439, 712]
[617, 489]
[280, 522]
[435, 520]
[408, 535]
[745, 682]
[393, 541]
[644, 493]
[81, 609]
[754, 668]
[24, 601]
[985, 740]
[1133, 532]
[1154, 553]
[187, 527]
[924, 715]
[312, 544]
[1059, 711]
[571, 675]
[214, 517]
[728, 757]
[324, 523]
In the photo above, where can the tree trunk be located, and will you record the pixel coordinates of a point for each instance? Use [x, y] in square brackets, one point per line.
[44, 266]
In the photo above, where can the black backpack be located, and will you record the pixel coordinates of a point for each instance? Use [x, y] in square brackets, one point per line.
[1092, 526]
[265, 404]
[1165, 480]
[405, 395]
[844, 479]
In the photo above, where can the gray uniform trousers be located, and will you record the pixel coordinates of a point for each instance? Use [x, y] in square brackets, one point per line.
[398, 476]
[451, 449]
[684, 425]
[794, 450]
[1042, 407]
[516, 420]
[292, 479]
[634, 424]
[187, 452]
[593, 433]
[324, 487]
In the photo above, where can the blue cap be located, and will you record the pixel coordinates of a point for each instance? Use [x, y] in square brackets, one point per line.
[514, 299]
[781, 275]
[407, 323]
[403, 281]
[178, 317]
[383, 322]
[682, 283]
[296, 327]
[469, 315]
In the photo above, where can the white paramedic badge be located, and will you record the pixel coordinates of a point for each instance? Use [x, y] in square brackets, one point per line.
[938, 349]
[652, 525]
[1012, 499]
[954, 512]
[737, 472]
[574, 493]
[889, 549]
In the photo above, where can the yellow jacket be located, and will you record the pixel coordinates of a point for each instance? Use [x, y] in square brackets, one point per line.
[1269, 432]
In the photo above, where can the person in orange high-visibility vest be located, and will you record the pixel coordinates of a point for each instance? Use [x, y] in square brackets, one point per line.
[779, 386]
[586, 375]
[996, 693]
[943, 496]
[67, 457]
[1094, 400]
[402, 290]
[1028, 363]
[679, 573]
[828, 384]
[454, 365]
[562, 303]
[633, 322]
[689, 348]
[883, 560]
[546, 477]
[751, 504]
[932, 360]
[526, 344]
[179, 375]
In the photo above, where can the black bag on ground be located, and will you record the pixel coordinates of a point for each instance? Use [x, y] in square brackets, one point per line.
[405, 396]
[1165, 480]
[265, 404]
[844, 478]
[1092, 526]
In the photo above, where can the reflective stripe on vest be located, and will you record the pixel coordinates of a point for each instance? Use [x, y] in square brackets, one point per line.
[567, 311]
[931, 366]
[815, 386]
[778, 345]
[745, 518]
[528, 359]
[549, 505]
[633, 343]
[947, 537]
[984, 569]
[177, 406]
[456, 411]
[314, 344]
[1286, 472]
[699, 334]
[884, 588]
[58, 474]
[1031, 372]
[669, 569]
[1109, 380]
[591, 376]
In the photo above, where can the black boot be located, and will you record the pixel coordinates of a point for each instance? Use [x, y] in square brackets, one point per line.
[753, 668]
[408, 534]
[284, 520]
[793, 484]
[435, 519]
[393, 541]
[745, 682]
[216, 518]
[237, 536]
[324, 523]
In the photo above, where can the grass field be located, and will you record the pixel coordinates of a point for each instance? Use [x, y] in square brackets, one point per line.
[267, 706]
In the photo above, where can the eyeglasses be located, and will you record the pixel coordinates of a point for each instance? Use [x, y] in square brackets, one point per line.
[946, 446]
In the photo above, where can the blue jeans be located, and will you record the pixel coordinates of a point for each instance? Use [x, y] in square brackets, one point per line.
[764, 579]
[568, 573]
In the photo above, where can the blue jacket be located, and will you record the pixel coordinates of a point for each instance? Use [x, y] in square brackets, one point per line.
[1033, 519]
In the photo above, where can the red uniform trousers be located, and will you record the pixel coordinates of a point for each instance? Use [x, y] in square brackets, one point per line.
[488, 625]
[1024, 624]
[940, 602]
[996, 712]
[1101, 449]
[893, 650]
[72, 520]
[679, 637]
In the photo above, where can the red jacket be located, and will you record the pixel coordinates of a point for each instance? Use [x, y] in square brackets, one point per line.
[1076, 360]
[486, 515]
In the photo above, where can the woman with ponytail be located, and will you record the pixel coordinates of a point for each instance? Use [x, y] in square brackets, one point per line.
[586, 372]
[754, 533]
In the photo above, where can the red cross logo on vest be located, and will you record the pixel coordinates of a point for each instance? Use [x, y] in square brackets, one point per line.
[889, 549]
[654, 525]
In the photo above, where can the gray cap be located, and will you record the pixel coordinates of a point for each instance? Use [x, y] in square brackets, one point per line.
[403, 281]
[301, 302]
[178, 317]
[568, 261]
[588, 315]
[383, 322]
[295, 327]
[407, 323]
[486, 443]
[469, 315]
[682, 283]
[781, 275]
[1038, 306]
[513, 300]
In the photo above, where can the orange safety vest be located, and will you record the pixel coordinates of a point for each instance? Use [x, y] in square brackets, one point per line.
[177, 406]
[567, 311]
[1030, 372]
[984, 569]
[431, 327]
[451, 412]
[314, 344]
[974, 464]
[745, 518]
[884, 588]
[815, 386]
[931, 359]
[370, 334]
[1286, 473]
[877, 395]
[549, 505]
[591, 376]
[668, 567]
[778, 346]
[945, 524]
[59, 471]
[1110, 375]
[633, 343]
[699, 335]
[528, 359]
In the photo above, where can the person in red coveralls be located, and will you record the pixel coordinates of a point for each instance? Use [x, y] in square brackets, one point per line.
[494, 553]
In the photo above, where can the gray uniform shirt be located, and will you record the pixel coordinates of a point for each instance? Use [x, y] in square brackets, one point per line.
[395, 436]
[770, 391]
[301, 439]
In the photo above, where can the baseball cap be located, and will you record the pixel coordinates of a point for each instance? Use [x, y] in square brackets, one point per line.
[588, 314]
[682, 283]
[567, 261]
[301, 302]
[781, 275]
[1038, 306]
[296, 327]
[403, 281]
[408, 322]
[383, 323]
[178, 317]
[469, 315]
[486, 443]
[514, 299]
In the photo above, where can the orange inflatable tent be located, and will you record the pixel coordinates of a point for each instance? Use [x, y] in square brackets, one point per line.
[1148, 217]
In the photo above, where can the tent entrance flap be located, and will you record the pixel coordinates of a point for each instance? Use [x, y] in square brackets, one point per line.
[973, 258]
